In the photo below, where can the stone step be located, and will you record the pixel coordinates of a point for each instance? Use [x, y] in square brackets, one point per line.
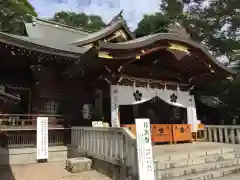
[196, 160]
[187, 170]
[217, 173]
[230, 177]
[197, 153]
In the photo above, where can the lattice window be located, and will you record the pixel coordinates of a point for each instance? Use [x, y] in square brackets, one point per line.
[51, 106]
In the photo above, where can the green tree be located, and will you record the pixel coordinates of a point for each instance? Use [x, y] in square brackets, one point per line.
[81, 20]
[152, 23]
[172, 9]
[169, 11]
[12, 15]
[217, 26]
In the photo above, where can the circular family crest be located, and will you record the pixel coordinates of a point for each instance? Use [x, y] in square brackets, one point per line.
[137, 95]
[173, 98]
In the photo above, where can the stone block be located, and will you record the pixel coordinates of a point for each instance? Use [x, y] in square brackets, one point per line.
[80, 164]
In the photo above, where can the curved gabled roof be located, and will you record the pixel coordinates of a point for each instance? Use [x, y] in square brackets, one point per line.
[149, 40]
[111, 28]
[42, 45]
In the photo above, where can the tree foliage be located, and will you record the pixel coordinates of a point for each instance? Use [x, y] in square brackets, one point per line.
[81, 20]
[215, 24]
[12, 15]
[158, 23]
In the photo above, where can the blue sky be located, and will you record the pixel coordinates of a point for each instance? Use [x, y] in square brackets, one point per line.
[107, 9]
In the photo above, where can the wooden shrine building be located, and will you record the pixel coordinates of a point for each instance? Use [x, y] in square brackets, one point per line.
[75, 76]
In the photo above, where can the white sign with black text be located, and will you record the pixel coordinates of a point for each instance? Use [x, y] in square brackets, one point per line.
[42, 138]
[144, 150]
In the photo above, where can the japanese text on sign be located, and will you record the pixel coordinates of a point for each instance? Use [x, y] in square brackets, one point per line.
[42, 138]
[144, 149]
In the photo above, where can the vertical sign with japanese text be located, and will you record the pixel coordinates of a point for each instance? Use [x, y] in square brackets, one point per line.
[144, 150]
[42, 138]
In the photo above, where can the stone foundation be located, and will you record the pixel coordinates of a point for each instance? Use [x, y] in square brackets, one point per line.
[29, 155]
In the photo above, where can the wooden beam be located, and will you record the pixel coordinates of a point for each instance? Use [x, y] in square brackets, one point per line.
[135, 54]
[145, 82]
[152, 72]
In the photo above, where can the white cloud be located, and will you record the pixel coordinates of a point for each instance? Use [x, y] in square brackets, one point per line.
[107, 9]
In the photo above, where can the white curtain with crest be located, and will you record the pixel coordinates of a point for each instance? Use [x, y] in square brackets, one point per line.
[126, 95]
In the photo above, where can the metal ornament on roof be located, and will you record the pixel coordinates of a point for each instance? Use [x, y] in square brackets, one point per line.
[178, 51]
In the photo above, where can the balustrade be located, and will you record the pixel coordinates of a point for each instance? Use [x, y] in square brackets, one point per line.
[113, 145]
[20, 130]
[28, 121]
[28, 138]
[222, 133]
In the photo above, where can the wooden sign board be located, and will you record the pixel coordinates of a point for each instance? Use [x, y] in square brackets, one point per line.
[42, 138]
[144, 149]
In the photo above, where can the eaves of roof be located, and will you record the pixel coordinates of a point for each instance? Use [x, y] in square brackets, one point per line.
[41, 45]
[151, 39]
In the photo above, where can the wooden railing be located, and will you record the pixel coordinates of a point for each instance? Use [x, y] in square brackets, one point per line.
[19, 130]
[222, 133]
[114, 145]
[28, 138]
[28, 121]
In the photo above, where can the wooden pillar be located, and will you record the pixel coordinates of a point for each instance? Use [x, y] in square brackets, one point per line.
[135, 112]
[37, 80]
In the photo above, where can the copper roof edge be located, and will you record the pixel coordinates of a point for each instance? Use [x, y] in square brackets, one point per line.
[64, 25]
[105, 32]
[32, 44]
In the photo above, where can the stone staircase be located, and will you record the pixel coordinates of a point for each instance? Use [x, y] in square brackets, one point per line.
[199, 165]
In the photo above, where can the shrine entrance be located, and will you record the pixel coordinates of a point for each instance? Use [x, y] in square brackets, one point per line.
[156, 110]
[172, 112]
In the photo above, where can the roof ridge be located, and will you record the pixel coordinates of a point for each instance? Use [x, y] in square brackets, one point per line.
[109, 29]
[64, 25]
[116, 18]
[124, 23]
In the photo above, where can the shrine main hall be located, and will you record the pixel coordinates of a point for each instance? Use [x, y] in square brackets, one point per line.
[77, 77]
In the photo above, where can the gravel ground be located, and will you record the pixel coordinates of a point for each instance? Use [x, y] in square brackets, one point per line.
[46, 171]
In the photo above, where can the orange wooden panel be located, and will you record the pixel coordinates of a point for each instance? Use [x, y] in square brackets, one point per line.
[131, 127]
[161, 132]
[201, 126]
[182, 132]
